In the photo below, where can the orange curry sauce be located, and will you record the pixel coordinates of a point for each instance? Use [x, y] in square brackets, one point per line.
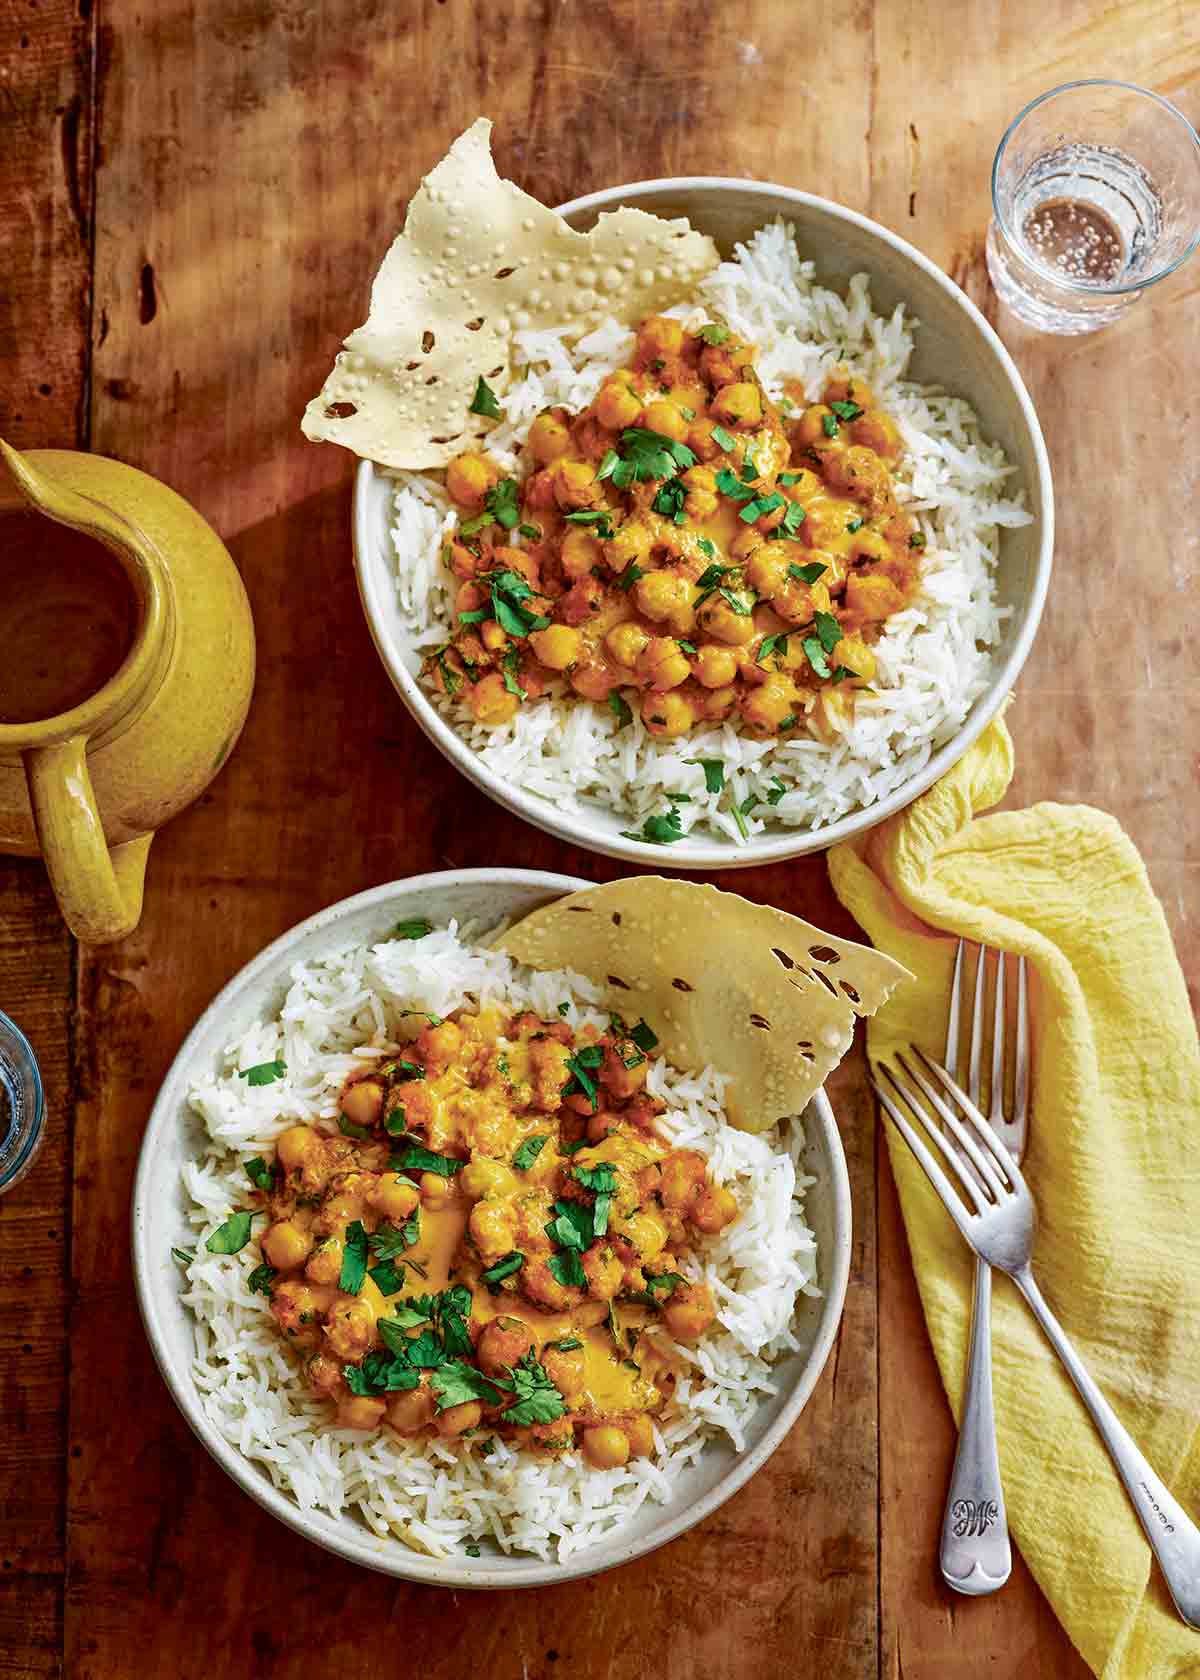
[478, 1251]
[684, 548]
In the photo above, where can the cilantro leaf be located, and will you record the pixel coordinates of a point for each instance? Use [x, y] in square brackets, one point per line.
[388, 1277]
[455, 1383]
[722, 438]
[917, 540]
[572, 1226]
[264, 1073]
[855, 524]
[714, 773]
[646, 455]
[417, 928]
[777, 791]
[503, 1268]
[406, 1315]
[714, 333]
[733, 487]
[772, 644]
[807, 574]
[670, 501]
[260, 1280]
[829, 631]
[789, 525]
[259, 1173]
[416, 1157]
[619, 706]
[502, 503]
[484, 401]
[396, 1123]
[644, 1037]
[351, 1129]
[566, 1344]
[536, 1399]
[709, 548]
[425, 1351]
[760, 505]
[665, 1284]
[587, 516]
[816, 656]
[185, 1256]
[354, 1258]
[847, 410]
[658, 831]
[532, 532]
[600, 1177]
[379, 1374]
[529, 1151]
[233, 1236]
[829, 425]
[566, 1268]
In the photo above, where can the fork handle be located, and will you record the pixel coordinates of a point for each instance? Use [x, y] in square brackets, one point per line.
[975, 1554]
[1174, 1538]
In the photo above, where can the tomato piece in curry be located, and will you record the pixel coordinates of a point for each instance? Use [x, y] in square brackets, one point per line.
[479, 1250]
[683, 548]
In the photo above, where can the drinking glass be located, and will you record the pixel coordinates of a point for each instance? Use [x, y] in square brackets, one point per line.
[1095, 196]
[22, 1107]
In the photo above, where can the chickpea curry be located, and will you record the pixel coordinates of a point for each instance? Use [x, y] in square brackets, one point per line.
[479, 1250]
[686, 547]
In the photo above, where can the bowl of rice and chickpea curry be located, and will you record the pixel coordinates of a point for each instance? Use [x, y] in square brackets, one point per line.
[488, 1233]
[707, 536]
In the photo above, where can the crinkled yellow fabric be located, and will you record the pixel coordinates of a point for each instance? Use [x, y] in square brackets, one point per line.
[1113, 1160]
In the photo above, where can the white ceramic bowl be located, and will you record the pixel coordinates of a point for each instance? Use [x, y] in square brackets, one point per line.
[174, 1135]
[955, 348]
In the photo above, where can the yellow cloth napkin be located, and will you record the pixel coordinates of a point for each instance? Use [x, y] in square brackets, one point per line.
[1113, 1160]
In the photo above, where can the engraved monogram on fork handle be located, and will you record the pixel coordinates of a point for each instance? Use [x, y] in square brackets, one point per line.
[975, 1553]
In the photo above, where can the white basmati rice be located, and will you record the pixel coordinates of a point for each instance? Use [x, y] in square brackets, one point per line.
[934, 657]
[343, 1014]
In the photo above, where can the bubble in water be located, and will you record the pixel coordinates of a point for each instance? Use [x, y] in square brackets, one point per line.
[1077, 239]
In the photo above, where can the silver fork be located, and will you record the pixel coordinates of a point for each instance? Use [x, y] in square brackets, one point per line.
[975, 1554]
[1000, 1230]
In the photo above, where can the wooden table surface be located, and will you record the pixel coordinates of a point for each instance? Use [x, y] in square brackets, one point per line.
[193, 197]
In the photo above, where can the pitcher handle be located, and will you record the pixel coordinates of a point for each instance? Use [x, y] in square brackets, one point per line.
[99, 890]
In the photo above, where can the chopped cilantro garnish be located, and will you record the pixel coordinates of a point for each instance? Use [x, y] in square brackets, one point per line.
[646, 455]
[390, 1240]
[605, 469]
[454, 1383]
[644, 1037]
[772, 644]
[847, 410]
[588, 516]
[396, 1123]
[619, 706]
[380, 1373]
[484, 401]
[714, 333]
[233, 1236]
[388, 1276]
[475, 616]
[630, 576]
[472, 1549]
[853, 525]
[658, 831]
[599, 1178]
[260, 1280]
[588, 1058]
[349, 1128]
[503, 1268]
[509, 592]
[760, 505]
[669, 501]
[354, 1258]
[789, 722]
[501, 507]
[789, 478]
[535, 1398]
[664, 1285]
[917, 540]
[728, 485]
[828, 630]
[749, 470]
[529, 1151]
[687, 647]
[264, 1073]
[566, 1344]
[417, 1158]
[714, 773]
[723, 438]
[532, 533]
[709, 548]
[185, 1256]
[565, 1267]
[509, 667]
[789, 525]
[259, 1173]
[776, 792]
[829, 425]
[808, 573]
[415, 929]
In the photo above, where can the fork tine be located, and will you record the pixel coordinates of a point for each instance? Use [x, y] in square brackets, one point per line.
[952, 1202]
[952, 1025]
[997, 1113]
[974, 1079]
[951, 1155]
[1021, 1077]
[986, 1133]
[967, 1145]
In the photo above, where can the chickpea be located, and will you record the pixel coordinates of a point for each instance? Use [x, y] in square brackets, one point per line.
[810, 430]
[669, 715]
[538, 495]
[574, 483]
[580, 601]
[682, 1175]
[565, 1368]
[395, 1197]
[765, 707]
[714, 1208]
[350, 1328]
[666, 595]
[436, 1191]
[463, 563]
[548, 1072]
[360, 1411]
[286, 1245]
[616, 406]
[701, 442]
[298, 1307]
[856, 656]
[539, 1284]
[372, 1298]
[863, 475]
[438, 1045]
[606, 1447]
[662, 664]
[721, 363]
[876, 430]
[469, 478]
[491, 702]
[664, 417]
[622, 1081]
[295, 1146]
[767, 567]
[719, 703]
[413, 1410]
[504, 1341]
[645, 1232]
[640, 1433]
[719, 619]
[548, 437]
[580, 554]
[689, 1312]
[456, 1420]
[745, 541]
[871, 596]
[740, 404]
[493, 1228]
[868, 545]
[602, 1124]
[625, 642]
[493, 636]
[324, 1374]
[325, 1262]
[484, 1177]
[804, 486]
[843, 386]
[716, 667]
[630, 543]
[344, 1202]
[556, 647]
[659, 336]
[362, 1102]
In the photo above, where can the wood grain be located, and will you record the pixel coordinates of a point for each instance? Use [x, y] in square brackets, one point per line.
[253, 162]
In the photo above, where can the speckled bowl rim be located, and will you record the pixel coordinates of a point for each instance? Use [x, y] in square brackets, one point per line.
[706, 854]
[347, 1537]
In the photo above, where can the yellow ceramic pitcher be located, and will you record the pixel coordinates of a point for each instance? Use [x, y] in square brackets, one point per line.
[88, 788]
